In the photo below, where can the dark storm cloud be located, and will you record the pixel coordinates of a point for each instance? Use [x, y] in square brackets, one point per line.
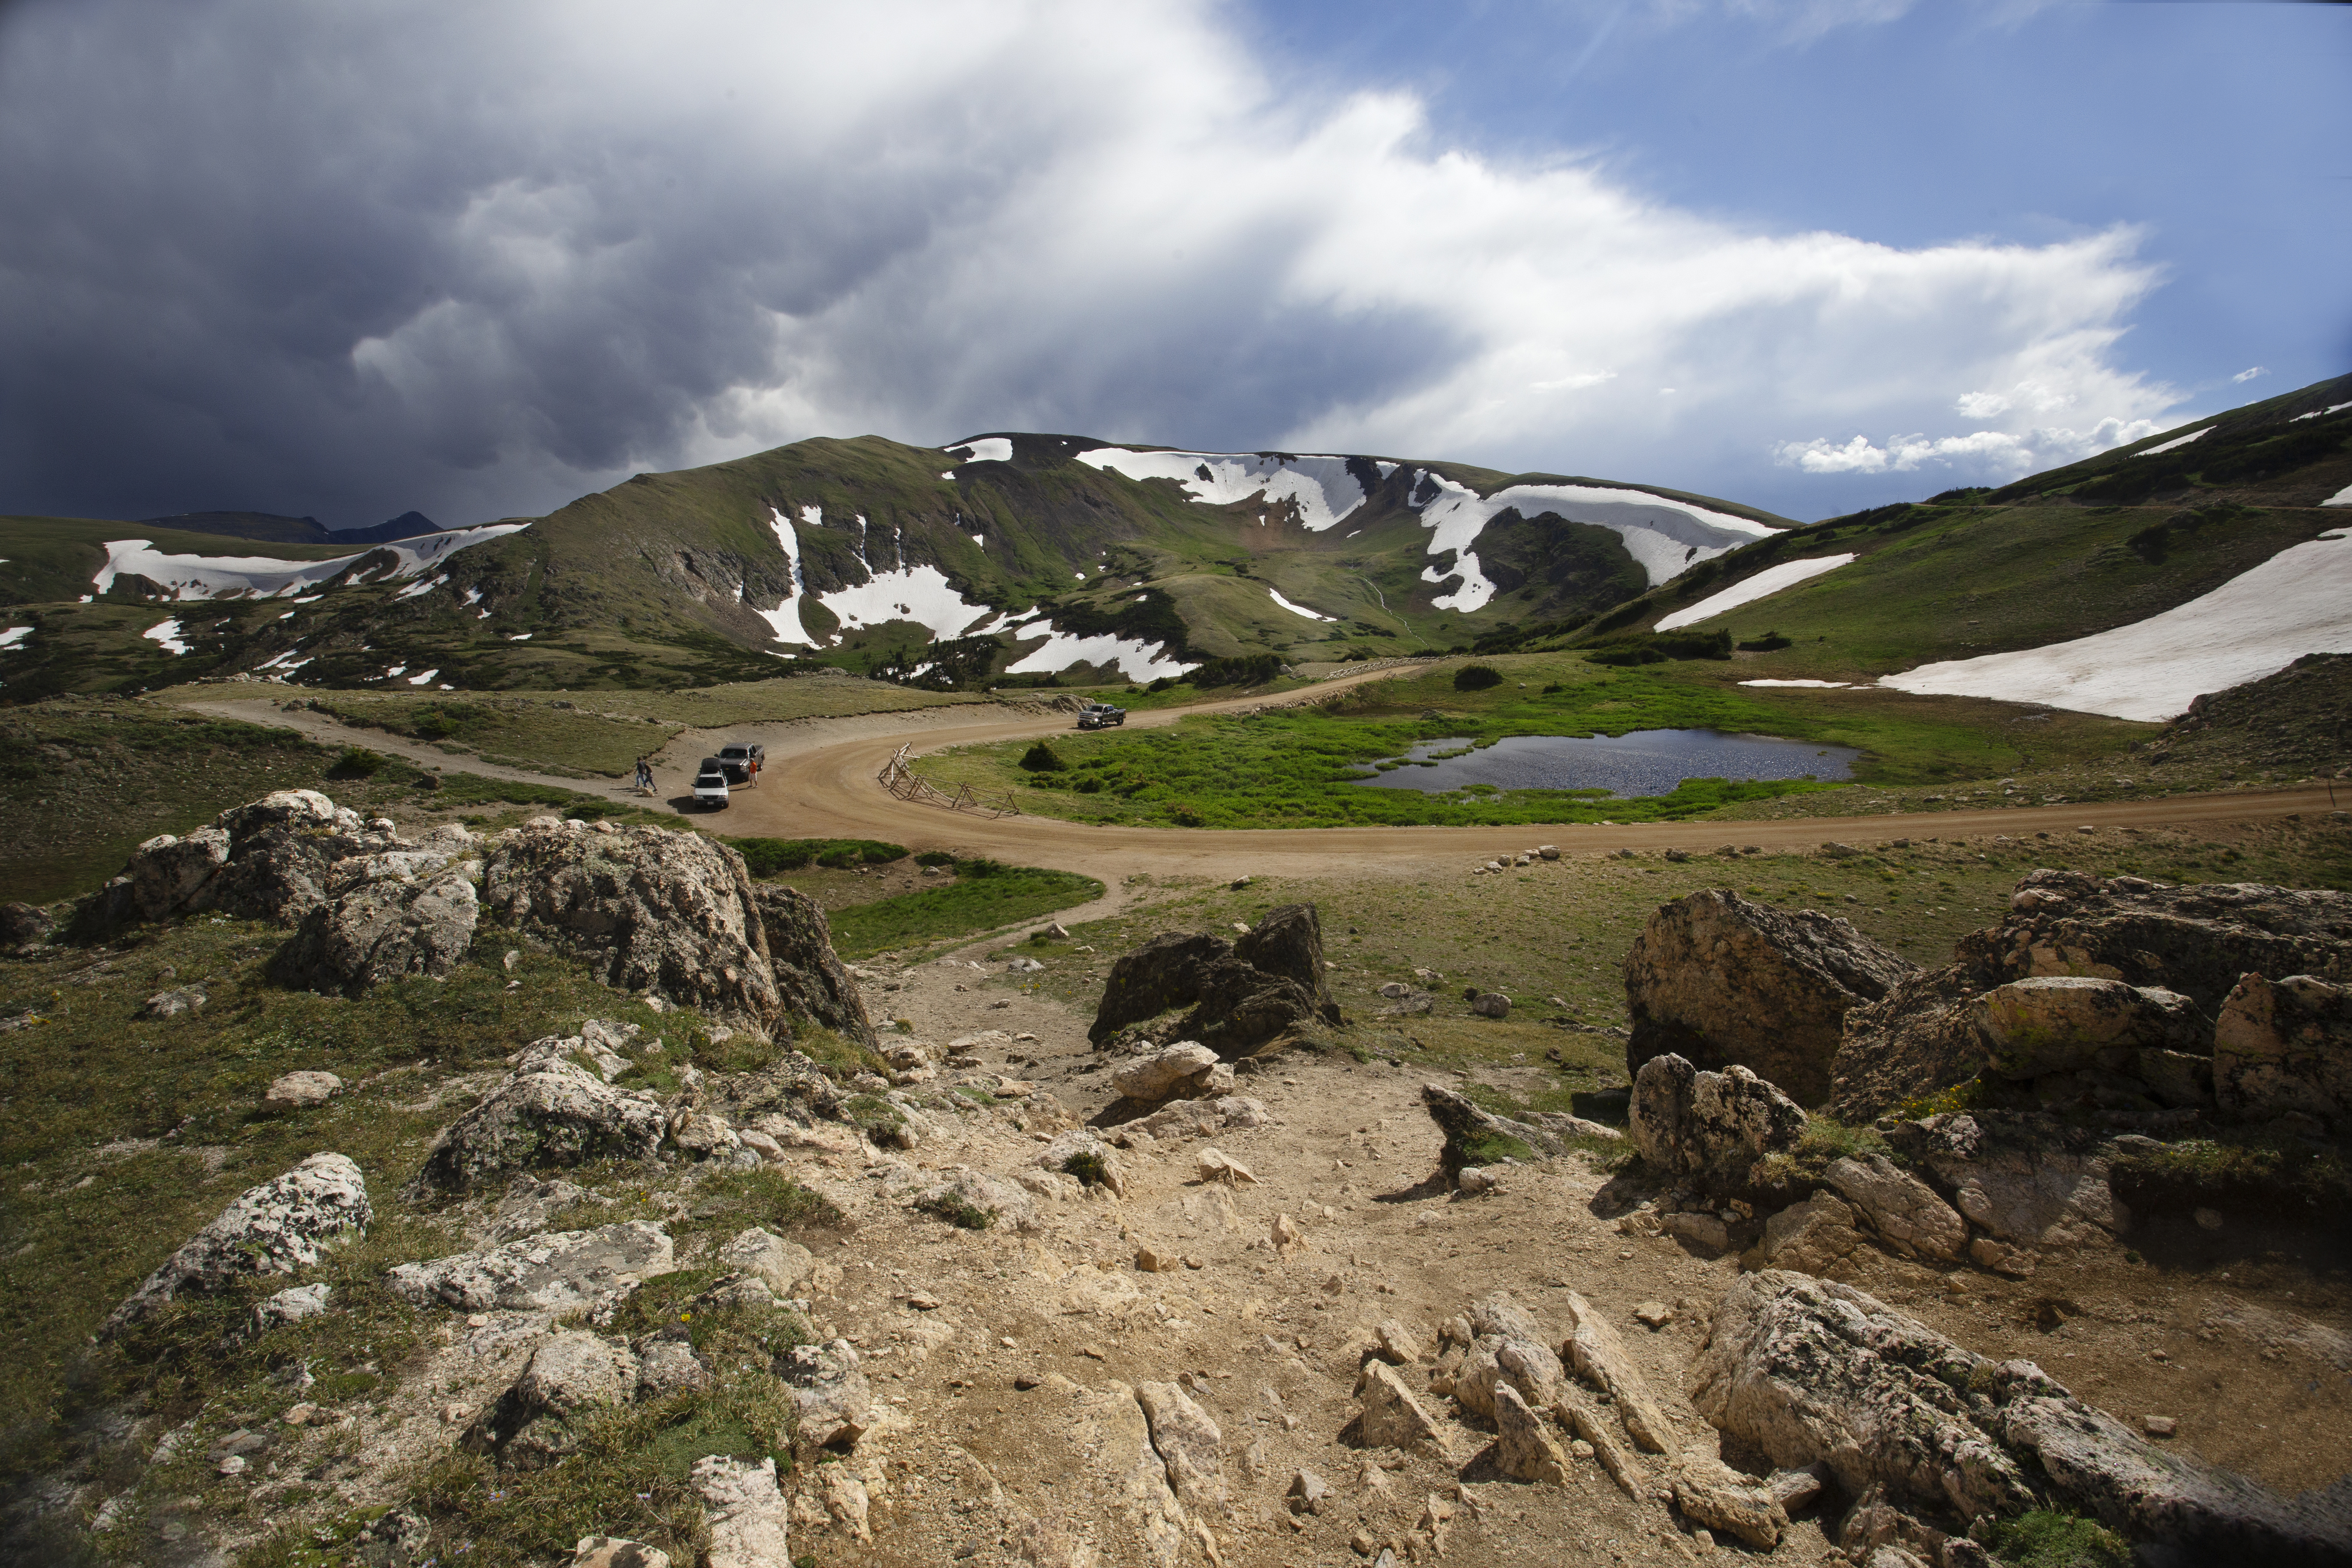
[351, 258]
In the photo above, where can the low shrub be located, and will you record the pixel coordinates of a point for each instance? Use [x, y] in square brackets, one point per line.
[1476, 677]
[1042, 758]
[1771, 642]
[2044, 1538]
[357, 763]
[770, 857]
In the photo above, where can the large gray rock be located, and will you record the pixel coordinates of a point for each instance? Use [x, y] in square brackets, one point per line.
[2284, 1045]
[747, 1515]
[1905, 1211]
[810, 981]
[1187, 1441]
[1919, 1037]
[558, 1273]
[672, 913]
[1815, 1236]
[1721, 980]
[835, 1402]
[550, 1112]
[530, 1427]
[379, 928]
[2026, 1181]
[285, 1224]
[1808, 1372]
[1710, 1125]
[1240, 994]
[2063, 1022]
[783, 1266]
[269, 859]
[1187, 1068]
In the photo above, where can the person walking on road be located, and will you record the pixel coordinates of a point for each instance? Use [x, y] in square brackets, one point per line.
[645, 776]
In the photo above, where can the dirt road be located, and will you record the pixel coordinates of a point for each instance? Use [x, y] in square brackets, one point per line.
[820, 783]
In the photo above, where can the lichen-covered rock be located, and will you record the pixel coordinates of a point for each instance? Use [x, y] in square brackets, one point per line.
[1711, 1494]
[1919, 1037]
[783, 1265]
[810, 981]
[834, 1401]
[558, 1272]
[1807, 1372]
[386, 927]
[1721, 980]
[1287, 942]
[1710, 1125]
[1476, 1137]
[2284, 1045]
[2062, 1023]
[1812, 1238]
[285, 1224]
[530, 1428]
[550, 1112]
[2025, 1180]
[671, 913]
[22, 926]
[169, 875]
[1905, 1211]
[747, 1516]
[1187, 1441]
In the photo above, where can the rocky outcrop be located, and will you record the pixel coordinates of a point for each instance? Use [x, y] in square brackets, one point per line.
[2026, 1180]
[1815, 1236]
[1476, 1137]
[530, 1427]
[266, 860]
[1598, 1356]
[1711, 1126]
[1390, 1416]
[782, 1266]
[550, 1111]
[671, 913]
[746, 1514]
[1187, 1442]
[397, 921]
[831, 1395]
[1240, 994]
[1919, 1037]
[810, 981]
[2063, 1022]
[283, 1224]
[1810, 1371]
[22, 926]
[1908, 1217]
[1721, 982]
[560, 1272]
[2283, 1047]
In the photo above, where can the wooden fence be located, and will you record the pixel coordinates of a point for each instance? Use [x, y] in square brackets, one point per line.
[899, 776]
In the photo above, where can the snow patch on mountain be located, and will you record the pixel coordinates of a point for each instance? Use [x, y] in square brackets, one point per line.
[1321, 486]
[14, 638]
[987, 449]
[191, 577]
[918, 593]
[1667, 536]
[1135, 660]
[168, 634]
[2255, 625]
[1299, 609]
[2176, 441]
[1762, 585]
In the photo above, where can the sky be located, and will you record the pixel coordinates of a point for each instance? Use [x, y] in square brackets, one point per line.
[1808, 255]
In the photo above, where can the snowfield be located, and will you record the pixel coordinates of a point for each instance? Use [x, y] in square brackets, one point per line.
[2341, 497]
[1819, 685]
[1137, 660]
[14, 638]
[1322, 487]
[1763, 585]
[1299, 609]
[2177, 441]
[919, 594]
[168, 634]
[987, 449]
[190, 577]
[2256, 624]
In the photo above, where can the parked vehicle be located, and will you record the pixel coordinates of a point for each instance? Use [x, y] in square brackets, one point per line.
[742, 762]
[710, 785]
[1100, 716]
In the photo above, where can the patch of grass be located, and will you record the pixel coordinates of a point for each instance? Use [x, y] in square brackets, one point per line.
[769, 857]
[1090, 1165]
[734, 1199]
[838, 1055]
[874, 1116]
[509, 728]
[957, 1210]
[2045, 1537]
[984, 896]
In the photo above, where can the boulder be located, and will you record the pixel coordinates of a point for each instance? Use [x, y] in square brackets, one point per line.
[1187, 1069]
[835, 1402]
[1712, 1126]
[1599, 1357]
[1806, 1372]
[22, 926]
[2284, 1045]
[379, 929]
[170, 874]
[303, 1089]
[1524, 1446]
[810, 981]
[667, 1367]
[2065, 1022]
[2196, 939]
[550, 1112]
[670, 913]
[1089, 1159]
[1390, 1416]
[1476, 1137]
[1491, 1005]
[1711, 1494]
[1721, 980]
[783, 1266]
[532, 1205]
[1904, 1210]
[2024, 1179]
[285, 1224]
[747, 1516]
[556, 1273]
[1190, 1118]
[529, 1429]
[1187, 1442]
[1239, 994]
[978, 1201]
[1812, 1238]
[1921, 1037]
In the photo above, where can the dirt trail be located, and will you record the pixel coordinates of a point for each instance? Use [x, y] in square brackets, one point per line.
[820, 783]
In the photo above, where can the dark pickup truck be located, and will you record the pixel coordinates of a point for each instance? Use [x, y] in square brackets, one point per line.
[1100, 716]
[741, 761]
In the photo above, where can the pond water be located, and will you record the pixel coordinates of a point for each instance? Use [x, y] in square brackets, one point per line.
[1646, 762]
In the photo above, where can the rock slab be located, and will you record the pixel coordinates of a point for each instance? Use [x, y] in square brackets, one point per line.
[283, 1224]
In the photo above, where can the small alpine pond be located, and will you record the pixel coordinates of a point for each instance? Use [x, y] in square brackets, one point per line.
[1644, 762]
